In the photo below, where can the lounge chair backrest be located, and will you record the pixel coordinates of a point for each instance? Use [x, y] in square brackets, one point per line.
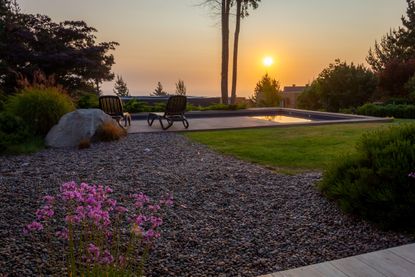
[111, 105]
[176, 105]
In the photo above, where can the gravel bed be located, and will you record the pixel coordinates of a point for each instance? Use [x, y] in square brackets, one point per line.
[230, 218]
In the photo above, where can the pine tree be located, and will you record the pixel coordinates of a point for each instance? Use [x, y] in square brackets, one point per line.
[120, 87]
[267, 92]
[180, 88]
[159, 91]
[396, 46]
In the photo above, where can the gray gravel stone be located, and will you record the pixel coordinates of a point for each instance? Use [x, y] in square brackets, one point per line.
[230, 218]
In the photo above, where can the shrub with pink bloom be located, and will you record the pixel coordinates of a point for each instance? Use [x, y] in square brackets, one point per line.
[103, 237]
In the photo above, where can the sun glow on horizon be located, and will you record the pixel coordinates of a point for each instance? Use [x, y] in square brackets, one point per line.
[268, 61]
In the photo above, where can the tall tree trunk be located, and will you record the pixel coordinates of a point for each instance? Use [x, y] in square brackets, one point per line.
[235, 50]
[225, 50]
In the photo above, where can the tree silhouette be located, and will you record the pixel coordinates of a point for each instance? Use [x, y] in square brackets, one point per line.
[225, 6]
[242, 7]
[158, 91]
[180, 88]
[267, 92]
[68, 50]
[120, 87]
[397, 45]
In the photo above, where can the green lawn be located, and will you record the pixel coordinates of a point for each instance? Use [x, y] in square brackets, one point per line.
[289, 150]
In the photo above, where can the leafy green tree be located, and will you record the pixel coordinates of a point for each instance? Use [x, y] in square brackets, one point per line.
[158, 91]
[339, 86]
[242, 7]
[396, 46]
[180, 88]
[120, 87]
[68, 50]
[267, 92]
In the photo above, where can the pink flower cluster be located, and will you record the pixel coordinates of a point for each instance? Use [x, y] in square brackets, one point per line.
[98, 257]
[89, 212]
[412, 175]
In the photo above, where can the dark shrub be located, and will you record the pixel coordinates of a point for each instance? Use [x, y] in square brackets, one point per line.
[136, 106]
[374, 182]
[13, 130]
[397, 111]
[87, 101]
[2, 99]
[40, 108]
[398, 101]
[159, 107]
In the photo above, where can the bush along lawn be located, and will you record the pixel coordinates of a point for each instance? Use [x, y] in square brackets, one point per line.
[377, 181]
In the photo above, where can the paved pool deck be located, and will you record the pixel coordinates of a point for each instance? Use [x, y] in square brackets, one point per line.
[235, 122]
[392, 262]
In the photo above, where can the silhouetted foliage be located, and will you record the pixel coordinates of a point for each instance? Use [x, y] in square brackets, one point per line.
[267, 92]
[339, 86]
[158, 91]
[180, 88]
[396, 46]
[120, 87]
[309, 99]
[67, 50]
[393, 79]
[87, 100]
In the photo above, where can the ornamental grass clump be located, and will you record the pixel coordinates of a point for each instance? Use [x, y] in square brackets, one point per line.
[109, 131]
[102, 236]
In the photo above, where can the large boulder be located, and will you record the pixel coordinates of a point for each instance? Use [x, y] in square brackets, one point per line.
[76, 126]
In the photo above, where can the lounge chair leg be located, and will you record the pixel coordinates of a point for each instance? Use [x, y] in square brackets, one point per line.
[150, 119]
[169, 124]
[185, 123]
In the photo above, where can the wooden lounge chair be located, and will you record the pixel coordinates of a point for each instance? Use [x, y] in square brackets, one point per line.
[175, 108]
[112, 105]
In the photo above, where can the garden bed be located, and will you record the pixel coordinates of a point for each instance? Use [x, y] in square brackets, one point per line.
[230, 218]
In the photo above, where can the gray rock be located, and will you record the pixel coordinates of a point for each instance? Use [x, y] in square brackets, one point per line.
[75, 126]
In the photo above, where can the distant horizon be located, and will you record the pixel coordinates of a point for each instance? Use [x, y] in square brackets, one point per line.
[164, 41]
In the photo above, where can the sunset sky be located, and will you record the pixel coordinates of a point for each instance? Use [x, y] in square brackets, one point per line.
[164, 40]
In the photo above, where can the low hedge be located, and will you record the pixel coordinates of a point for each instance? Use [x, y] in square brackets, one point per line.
[389, 110]
[136, 106]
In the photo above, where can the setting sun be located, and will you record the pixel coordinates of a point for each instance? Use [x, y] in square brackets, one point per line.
[268, 61]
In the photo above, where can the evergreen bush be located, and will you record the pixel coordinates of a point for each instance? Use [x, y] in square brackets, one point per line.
[376, 182]
[40, 108]
[87, 100]
[13, 130]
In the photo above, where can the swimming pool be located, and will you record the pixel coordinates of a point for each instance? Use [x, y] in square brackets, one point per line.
[252, 118]
[282, 119]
